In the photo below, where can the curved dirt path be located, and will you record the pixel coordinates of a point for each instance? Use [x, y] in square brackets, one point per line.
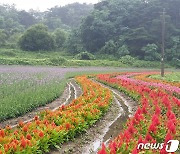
[107, 128]
[72, 91]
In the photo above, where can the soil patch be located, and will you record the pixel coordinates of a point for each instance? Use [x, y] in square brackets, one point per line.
[104, 130]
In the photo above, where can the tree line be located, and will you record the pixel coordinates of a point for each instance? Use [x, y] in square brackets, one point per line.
[110, 27]
[14, 23]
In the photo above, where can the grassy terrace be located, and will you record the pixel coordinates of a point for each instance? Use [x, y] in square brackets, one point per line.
[22, 92]
[172, 77]
[60, 58]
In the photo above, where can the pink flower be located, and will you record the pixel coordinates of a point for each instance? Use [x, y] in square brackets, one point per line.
[148, 137]
[168, 137]
[152, 128]
[103, 150]
[157, 110]
[155, 120]
[171, 126]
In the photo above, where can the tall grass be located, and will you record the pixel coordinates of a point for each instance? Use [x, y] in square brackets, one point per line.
[18, 96]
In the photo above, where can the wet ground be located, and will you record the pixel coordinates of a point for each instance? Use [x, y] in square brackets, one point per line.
[104, 130]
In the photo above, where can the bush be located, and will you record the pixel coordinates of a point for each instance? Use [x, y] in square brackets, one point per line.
[60, 37]
[8, 53]
[151, 52]
[37, 38]
[85, 56]
[58, 61]
[109, 47]
[127, 60]
[123, 51]
[176, 62]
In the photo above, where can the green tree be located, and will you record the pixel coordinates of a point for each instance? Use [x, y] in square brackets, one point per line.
[151, 52]
[37, 38]
[109, 48]
[3, 38]
[74, 42]
[123, 51]
[60, 37]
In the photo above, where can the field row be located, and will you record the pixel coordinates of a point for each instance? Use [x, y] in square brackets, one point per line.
[157, 119]
[51, 128]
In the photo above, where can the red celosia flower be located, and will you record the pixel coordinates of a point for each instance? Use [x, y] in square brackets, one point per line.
[2, 133]
[25, 128]
[41, 134]
[140, 140]
[112, 147]
[131, 129]
[8, 127]
[157, 110]
[127, 136]
[14, 146]
[148, 137]
[29, 137]
[63, 107]
[152, 128]
[163, 150]
[38, 122]
[171, 126]
[23, 143]
[155, 120]
[21, 123]
[68, 126]
[36, 118]
[103, 150]
[135, 151]
[168, 137]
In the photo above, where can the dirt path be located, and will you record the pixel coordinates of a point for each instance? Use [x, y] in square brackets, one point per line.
[104, 130]
[71, 92]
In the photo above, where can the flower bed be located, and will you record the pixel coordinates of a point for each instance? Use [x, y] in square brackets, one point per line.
[50, 128]
[156, 121]
[146, 77]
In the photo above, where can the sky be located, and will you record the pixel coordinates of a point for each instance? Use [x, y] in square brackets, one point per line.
[42, 5]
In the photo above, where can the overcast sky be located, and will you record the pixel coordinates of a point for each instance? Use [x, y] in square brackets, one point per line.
[42, 5]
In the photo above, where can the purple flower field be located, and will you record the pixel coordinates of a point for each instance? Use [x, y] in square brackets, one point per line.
[24, 88]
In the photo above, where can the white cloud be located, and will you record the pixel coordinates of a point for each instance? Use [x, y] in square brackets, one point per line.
[42, 4]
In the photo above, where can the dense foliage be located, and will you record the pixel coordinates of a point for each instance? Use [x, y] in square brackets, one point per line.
[135, 24]
[113, 29]
[13, 22]
[37, 38]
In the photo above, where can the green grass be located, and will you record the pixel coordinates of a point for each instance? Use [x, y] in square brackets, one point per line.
[172, 77]
[65, 59]
[18, 97]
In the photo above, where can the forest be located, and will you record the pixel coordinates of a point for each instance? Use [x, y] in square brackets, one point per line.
[98, 78]
[111, 28]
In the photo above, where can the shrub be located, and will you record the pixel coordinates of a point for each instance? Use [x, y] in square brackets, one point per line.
[151, 52]
[123, 51]
[37, 38]
[176, 62]
[127, 60]
[58, 61]
[85, 56]
[109, 47]
[9, 53]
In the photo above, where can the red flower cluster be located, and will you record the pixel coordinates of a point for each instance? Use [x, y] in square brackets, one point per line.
[156, 120]
[53, 127]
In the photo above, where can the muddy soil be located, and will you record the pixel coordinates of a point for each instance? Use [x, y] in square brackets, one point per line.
[72, 91]
[104, 130]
